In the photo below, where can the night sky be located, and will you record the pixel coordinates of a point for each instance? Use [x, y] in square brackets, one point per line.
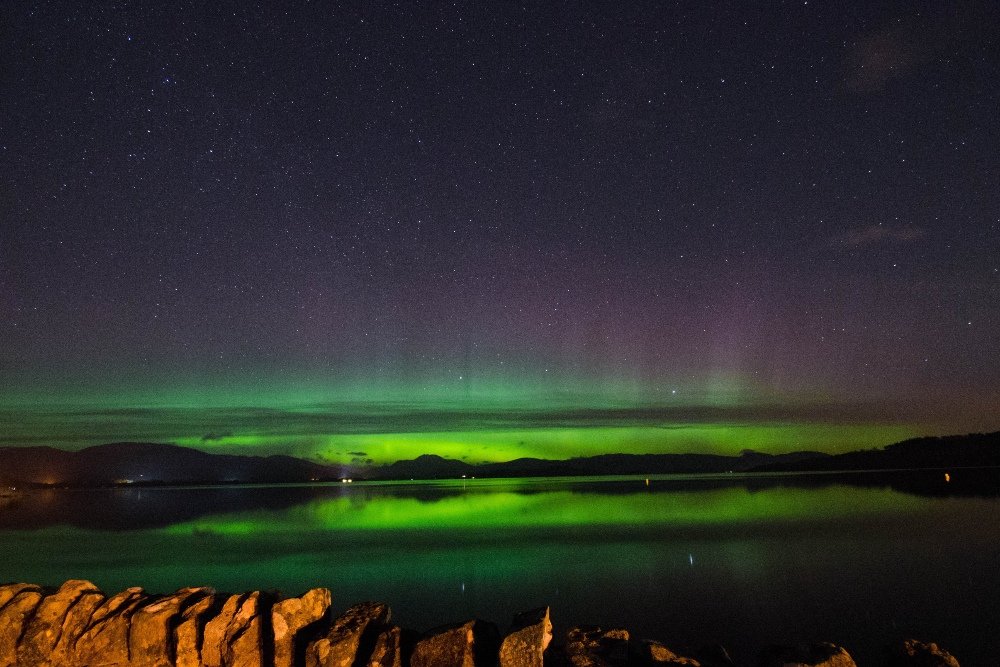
[372, 229]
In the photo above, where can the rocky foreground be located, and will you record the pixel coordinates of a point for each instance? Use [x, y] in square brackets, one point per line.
[78, 626]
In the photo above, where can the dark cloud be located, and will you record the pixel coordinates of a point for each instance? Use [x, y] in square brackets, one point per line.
[281, 429]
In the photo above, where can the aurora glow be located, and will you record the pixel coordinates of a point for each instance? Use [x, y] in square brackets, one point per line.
[385, 433]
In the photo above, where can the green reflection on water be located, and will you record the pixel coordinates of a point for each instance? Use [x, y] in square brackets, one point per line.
[656, 557]
[740, 565]
[487, 508]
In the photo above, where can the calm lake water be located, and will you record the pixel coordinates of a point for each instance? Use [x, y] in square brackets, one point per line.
[742, 561]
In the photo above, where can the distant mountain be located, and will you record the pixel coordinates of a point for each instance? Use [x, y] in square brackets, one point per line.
[426, 466]
[144, 462]
[147, 462]
[976, 450]
[435, 467]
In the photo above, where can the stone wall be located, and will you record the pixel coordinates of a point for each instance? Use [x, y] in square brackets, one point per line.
[77, 625]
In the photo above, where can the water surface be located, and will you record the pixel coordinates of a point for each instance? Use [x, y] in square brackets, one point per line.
[739, 560]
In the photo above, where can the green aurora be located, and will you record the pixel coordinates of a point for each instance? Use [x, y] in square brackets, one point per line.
[558, 443]
[502, 419]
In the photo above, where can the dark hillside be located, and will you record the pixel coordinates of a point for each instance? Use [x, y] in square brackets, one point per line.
[954, 451]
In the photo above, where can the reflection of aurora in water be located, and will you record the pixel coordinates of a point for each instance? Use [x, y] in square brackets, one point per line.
[715, 561]
[481, 508]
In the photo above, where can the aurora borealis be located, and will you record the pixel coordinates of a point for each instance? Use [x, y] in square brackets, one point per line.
[347, 230]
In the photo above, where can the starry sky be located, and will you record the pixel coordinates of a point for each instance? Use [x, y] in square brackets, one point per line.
[374, 229]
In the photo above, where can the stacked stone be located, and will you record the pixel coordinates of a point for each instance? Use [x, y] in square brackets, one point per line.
[78, 626]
